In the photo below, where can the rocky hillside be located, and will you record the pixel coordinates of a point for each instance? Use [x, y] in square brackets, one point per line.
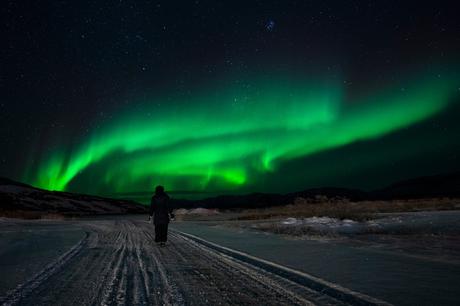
[21, 200]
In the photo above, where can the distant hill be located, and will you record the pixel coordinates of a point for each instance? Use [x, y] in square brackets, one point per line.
[443, 185]
[16, 196]
[7, 181]
[260, 200]
[18, 199]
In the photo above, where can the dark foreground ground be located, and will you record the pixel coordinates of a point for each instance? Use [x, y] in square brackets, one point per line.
[117, 263]
[114, 261]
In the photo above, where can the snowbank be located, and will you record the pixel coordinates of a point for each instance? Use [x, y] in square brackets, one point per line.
[196, 211]
[325, 224]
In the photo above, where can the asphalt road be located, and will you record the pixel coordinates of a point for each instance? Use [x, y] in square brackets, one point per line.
[118, 263]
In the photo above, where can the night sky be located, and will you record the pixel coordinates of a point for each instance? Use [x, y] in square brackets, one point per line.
[115, 97]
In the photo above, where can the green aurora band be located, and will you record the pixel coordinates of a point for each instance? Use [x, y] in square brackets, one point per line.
[223, 138]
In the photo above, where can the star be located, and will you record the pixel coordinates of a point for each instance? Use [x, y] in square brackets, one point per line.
[270, 25]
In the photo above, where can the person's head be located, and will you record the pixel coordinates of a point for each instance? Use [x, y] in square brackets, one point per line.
[159, 189]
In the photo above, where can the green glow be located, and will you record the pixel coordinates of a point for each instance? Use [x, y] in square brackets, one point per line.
[224, 138]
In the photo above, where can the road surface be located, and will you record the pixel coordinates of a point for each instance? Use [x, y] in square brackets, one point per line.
[118, 263]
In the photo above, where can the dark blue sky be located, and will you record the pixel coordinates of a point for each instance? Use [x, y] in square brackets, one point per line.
[68, 67]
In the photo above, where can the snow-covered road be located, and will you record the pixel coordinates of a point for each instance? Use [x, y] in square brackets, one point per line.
[118, 263]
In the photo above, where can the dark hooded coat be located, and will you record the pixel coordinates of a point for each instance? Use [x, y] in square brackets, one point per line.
[160, 208]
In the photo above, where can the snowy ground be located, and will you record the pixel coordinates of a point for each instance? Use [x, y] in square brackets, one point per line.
[434, 222]
[433, 235]
[114, 260]
[117, 262]
[46, 240]
[398, 277]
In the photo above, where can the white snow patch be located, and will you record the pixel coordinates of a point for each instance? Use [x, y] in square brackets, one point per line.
[325, 224]
[203, 211]
[180, 211]
[328, 222]
[196, 211]
[291, 221]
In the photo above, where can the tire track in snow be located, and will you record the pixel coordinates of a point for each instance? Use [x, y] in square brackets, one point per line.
[120, 264]
[172, 296]
[238, 272]
[23, 290]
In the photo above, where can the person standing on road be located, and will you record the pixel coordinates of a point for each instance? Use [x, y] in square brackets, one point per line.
[161, 211]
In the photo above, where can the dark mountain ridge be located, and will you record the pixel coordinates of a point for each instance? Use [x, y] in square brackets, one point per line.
[16, 196]
[442, 185]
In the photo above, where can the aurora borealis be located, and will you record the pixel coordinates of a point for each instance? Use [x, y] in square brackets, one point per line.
[124, 112]
[218, 141]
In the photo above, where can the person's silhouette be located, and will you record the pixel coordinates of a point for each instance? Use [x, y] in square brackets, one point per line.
[161, 212]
